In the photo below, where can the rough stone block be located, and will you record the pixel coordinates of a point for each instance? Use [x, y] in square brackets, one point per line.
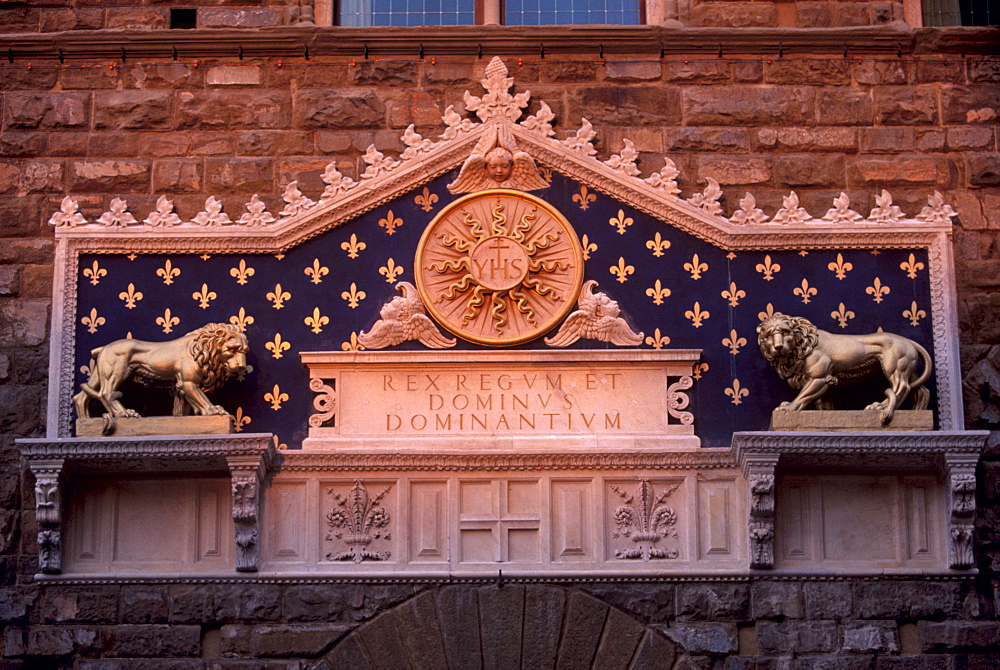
[16, 145]
[260, 602]
[233, 109]
[501, 616]
[806, 139]
[881, 140]
[831, 15]
[387, 73]
[570, 72]
[109, 176]
[735, 170]
[877, 636]
[543, 616]
[804, 170]
[23, 323]
[828, 600]
[226, 17]
[655, 653]
[136, 18]
[234, 75]
[934, 71]
[703, 638]
[48, 111]
[60, 640]
[417, 107]
[347, 654]
[10, 279]
[57, 20]
[909, 599]
[632, 71]
[418, 626]
[801, 637]
[814, 72]
[880, 72]
[177, 176]
[713, 602]
[42, 176]
[984, 70]
[958, 636]
[239, 175]
[734, 14]
[771, 600]
[698, 72]
[381, 640]
[19, 20]
[621, 637]
[28, 251]
[203, 604]
[144, 604]
[585, 617]
[958, 103]
[707, 139]
[905, 105]
[13, 605]
[274, 143]
[966, 138]
[843, 107]
[151, 640]
[12, 642]
[340, 109]
[619, 105]
[648, 602]
[458, 606]
[132, 109]
[449, 74]
[295, 640]
[748, 105]
[984, 169]
[900, 170]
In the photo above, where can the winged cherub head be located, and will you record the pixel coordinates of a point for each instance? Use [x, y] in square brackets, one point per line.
[499, 164]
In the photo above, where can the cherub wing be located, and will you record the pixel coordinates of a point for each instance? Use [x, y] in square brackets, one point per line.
[383, 334]
[472, 176]
[571, 330]
[525, 175]
[420, 327]
[617, 332]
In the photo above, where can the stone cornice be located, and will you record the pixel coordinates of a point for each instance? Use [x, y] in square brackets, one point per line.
[487, 41]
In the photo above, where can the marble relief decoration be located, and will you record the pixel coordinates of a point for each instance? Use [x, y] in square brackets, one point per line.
[318, 274]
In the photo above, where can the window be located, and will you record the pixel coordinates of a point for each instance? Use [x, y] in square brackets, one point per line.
[471, 12]
[961, 12]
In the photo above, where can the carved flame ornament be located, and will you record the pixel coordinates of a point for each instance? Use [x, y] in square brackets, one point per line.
[357, 520]
[645, 519]
[499, 267]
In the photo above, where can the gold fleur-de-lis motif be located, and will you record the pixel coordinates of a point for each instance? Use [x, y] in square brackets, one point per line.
[391, 222]
[914, 314]
[840, 268]
[278, 296]
[167, 321]
[584, 197]
[805, 291]
[912, 266]
[242, 272]
[241, 320]
[204, 296]
[130, 296]
[426, 200]
[92, 321]
[657, 245]
[622, 271]
[168, 272]
[697, 315]
[240, 419]
[621, 222]
[276, 397]
[352, 344]
[390, 271]
[94, 273]
[734, 342]
[877, 290]
[696, 267]
[316, 321]
[767, 268]
[658, 293]
[733, 294]
[588, 248]
[767, 313]
[353, 296]
[842, 315]
[316, 271]
[278, 444]
[656, 340]
[736, 392]
[277, 346]
[699, 370]
[353, 247]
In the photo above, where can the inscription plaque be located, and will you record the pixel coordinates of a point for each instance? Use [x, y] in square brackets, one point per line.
[620, 399]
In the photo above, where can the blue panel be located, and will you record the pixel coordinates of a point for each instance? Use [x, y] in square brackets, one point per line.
[717, 416]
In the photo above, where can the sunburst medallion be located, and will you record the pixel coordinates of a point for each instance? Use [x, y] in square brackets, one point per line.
[499, 267]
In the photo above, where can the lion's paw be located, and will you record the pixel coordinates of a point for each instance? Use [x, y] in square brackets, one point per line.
[216, 410]
[132, 414]
[787, 405]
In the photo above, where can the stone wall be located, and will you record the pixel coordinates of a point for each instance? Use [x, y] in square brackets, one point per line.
[816, 124]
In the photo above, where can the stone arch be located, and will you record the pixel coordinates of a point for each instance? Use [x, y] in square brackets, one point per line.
[465, 627]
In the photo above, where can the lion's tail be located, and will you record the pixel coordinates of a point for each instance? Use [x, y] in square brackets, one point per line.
[928, 368]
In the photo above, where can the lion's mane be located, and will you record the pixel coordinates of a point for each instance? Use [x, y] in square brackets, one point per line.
[789, 364]
[206, 348]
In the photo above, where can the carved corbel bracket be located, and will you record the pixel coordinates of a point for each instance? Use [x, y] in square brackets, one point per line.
[962, 506]
[759, 472]
[247, 474]
[48, 513]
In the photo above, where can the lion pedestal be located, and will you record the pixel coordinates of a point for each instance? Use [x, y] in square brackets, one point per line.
[850, 420]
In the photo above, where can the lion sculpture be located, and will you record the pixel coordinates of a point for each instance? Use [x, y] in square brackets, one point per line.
[199, 362]
[812, 360]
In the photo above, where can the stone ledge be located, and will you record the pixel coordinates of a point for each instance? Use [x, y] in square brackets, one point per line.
[854, 420]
